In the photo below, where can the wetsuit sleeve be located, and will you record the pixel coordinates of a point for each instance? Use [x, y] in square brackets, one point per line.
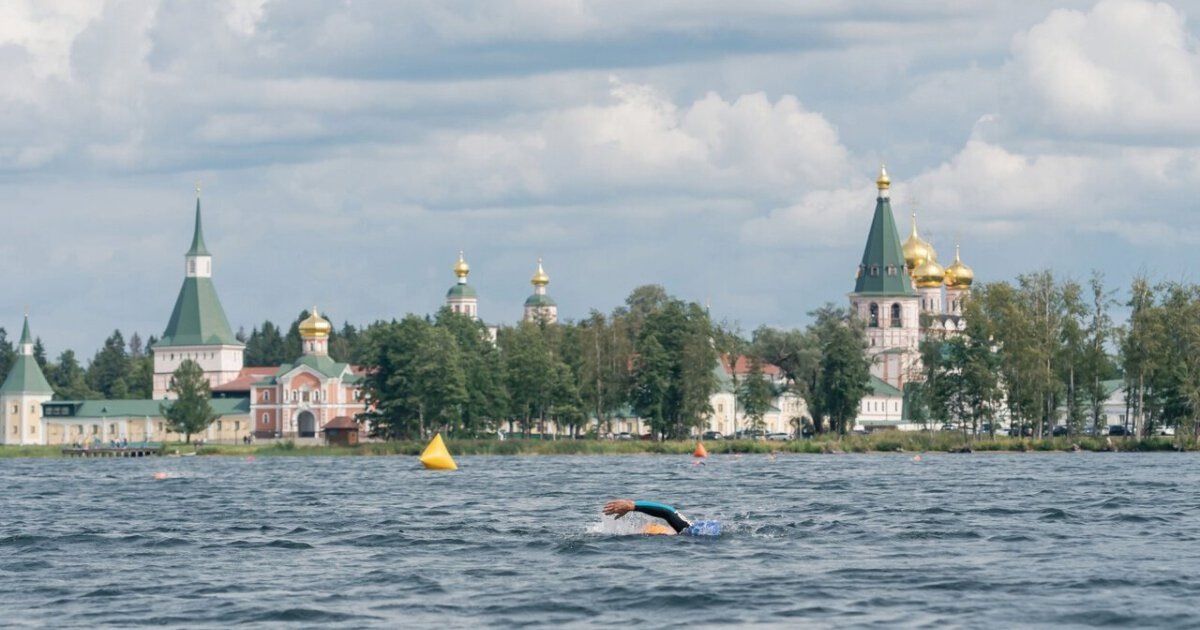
[665, 512]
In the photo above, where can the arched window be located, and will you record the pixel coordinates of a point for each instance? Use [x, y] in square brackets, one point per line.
[874, 270]
[891, 271]
[265, 419]
[897, 321]
[873, 317]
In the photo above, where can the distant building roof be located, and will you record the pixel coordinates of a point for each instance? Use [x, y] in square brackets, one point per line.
[246, 378]
[139, 408]
[341, 422]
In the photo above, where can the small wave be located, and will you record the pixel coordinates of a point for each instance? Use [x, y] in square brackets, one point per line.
[308, 615]
[1056, 514]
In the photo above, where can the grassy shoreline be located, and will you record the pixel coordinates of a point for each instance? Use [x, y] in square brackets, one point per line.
[884, 442]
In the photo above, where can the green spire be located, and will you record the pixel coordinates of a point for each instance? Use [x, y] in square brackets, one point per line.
[882, 271]
[25, 376]
[198, 248]
[26, 338]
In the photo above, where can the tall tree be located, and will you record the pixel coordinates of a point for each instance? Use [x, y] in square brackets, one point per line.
[486, 399]
[69, 380]
[8, 354]
[843, 373]
[190, 412]
[108, 373]
[755, 394]
[266, 347]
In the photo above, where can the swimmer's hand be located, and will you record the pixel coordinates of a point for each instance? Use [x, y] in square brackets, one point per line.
[618, 508]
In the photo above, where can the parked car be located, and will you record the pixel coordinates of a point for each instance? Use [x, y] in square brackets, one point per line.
[1060, 431]
[624, 435]
[711, 435]
[779, 437]
[1025, 430]
[750, 434]
[807, 431]
[1118, 430]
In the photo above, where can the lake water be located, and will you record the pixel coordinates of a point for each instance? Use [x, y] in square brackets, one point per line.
[983, 540]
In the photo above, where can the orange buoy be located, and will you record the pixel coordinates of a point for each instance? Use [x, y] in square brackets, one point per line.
[700, 450]
[436, 456]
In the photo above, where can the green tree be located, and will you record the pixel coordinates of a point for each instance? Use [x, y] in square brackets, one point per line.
[8, 354]
[755, 394]
[108, 373]
[683, 371]
[39, 353]
[266, 347]
[486, 397]
[529, 371]
[843, 372]
[69, 380]
[414, 380]
[190, 412]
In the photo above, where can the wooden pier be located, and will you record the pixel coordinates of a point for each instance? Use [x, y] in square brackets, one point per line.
[119, 451]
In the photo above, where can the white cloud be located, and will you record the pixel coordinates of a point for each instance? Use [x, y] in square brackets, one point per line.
[1124, 68]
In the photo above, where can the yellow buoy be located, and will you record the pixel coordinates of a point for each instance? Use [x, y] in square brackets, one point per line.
[700, 450]
[436, 457]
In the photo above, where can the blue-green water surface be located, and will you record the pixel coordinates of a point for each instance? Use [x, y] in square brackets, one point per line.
[979, 541]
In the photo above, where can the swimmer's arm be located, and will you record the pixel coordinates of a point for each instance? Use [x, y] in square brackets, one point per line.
[621, 507]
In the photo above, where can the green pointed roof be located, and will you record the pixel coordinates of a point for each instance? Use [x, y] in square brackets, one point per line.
[198, 248]
[25, 376]
[25, 336]
[198, 318]
[883, 254]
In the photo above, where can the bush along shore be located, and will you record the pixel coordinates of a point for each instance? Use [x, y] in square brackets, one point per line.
[883, 442]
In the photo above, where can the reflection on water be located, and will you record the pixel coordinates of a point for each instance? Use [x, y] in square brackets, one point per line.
[984, 540]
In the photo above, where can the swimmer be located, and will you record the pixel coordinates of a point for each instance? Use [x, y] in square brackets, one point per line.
[678, 523]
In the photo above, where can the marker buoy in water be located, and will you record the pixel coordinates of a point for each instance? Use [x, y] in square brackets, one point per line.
[700, 450]
[436, 456]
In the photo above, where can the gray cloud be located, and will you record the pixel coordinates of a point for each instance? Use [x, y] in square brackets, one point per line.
[348, 150]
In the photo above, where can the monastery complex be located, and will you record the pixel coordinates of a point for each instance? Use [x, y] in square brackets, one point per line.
[896, 284]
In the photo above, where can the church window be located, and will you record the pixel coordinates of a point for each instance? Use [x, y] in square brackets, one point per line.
[897, 321]
[16, 409]
[873, 318]
[891, 271]
[266, 395]
[874, 271]
[237, 425]
[191, 266]
[862, 269]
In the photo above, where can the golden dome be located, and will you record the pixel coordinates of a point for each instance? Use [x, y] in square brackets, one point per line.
[929, 274]
[315, 325]
[958, 275]
[884, 182]
[461, 268]
[540, 279]
[916, 249]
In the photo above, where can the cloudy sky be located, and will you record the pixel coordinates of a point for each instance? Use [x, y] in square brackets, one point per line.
[726, 150]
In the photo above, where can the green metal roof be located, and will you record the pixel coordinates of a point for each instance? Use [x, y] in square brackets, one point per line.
[323, 364]
[198, 248]
[463, 290]
[25, 336]
[1111, 387]
[881, 388]
[539, 300]
[25, 377]
[198, 318]
[142, 408]
[882, 254]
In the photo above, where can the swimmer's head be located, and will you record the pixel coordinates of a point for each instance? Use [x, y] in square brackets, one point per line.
[704, 528]
[657, 529]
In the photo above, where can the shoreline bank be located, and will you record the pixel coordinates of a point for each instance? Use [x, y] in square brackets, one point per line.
[890, 442]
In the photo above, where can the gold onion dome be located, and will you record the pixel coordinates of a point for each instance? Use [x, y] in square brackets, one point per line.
[916, 249]
[315, 325]
[540, 279]
[929, 274]
[461, 268]
[884, 182]
[958, 274]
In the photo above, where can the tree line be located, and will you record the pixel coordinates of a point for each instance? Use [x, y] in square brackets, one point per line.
[1037, 352]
